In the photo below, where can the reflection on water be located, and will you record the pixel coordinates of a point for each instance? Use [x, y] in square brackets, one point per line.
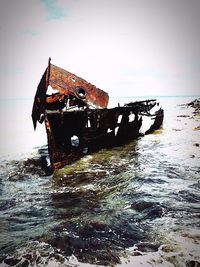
[132, 205]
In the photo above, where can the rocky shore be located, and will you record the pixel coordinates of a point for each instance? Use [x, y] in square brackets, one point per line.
[196, 105]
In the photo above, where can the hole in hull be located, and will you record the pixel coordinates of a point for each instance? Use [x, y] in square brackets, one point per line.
[75, 141]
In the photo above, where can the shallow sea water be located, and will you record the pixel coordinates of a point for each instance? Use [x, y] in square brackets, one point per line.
[134, 205]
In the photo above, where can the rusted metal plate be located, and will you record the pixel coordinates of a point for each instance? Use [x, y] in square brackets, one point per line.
[40, 98]
[68, 83]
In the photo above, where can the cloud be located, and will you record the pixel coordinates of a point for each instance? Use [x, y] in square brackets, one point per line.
[54, 11]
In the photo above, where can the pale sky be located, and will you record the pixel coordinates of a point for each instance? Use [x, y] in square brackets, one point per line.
[125, 47]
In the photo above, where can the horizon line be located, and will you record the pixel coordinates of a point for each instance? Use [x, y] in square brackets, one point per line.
[112, 96]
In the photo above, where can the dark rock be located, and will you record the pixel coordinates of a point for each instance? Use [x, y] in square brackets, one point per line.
[27, 256]
[2, 258]
[142, 205]
[59, 258]
[192, 264]
[38, 260]
[11, 261]
[136, 253]
[23, 264]
[155, 212]
[196, 144]
[147, 247]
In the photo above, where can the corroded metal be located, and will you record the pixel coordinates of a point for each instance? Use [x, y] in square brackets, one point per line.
[78, 121]
[68, 85]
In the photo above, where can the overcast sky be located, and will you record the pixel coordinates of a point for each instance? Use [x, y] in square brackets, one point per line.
[126, 47]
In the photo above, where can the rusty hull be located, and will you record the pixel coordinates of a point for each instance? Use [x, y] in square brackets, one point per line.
[78, 121]
[94, 129]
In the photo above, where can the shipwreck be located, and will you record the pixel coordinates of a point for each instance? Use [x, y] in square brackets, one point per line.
[78, 120]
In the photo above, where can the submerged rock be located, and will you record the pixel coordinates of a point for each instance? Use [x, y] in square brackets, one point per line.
[147, 247]
[23, 264]
[192, 264]
[142, 205]
[196, 105]
[11, 261]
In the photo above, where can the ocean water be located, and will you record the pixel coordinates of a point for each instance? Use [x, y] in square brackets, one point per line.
[134, 205]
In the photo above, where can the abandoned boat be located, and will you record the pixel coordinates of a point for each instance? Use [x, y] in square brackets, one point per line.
[77, 118]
